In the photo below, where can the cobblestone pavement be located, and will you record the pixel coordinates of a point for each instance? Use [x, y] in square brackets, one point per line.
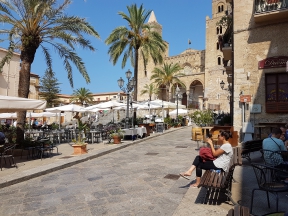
[130, 181]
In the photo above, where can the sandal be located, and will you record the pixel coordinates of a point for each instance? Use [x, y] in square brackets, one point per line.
[182, 175]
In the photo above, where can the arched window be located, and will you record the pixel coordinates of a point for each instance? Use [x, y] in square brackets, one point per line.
[217, 46]
[220, 30]
[219, 9]
[222, 8]
[219, 60]
[217, 30]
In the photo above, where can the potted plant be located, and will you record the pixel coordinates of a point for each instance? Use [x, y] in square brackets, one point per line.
[80, 146]
[202, 118]
[117, 135]
[115, 132]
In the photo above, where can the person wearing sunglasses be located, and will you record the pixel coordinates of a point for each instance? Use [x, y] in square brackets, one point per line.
[223, 156]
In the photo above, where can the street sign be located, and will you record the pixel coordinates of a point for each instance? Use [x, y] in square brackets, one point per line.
[245, 98]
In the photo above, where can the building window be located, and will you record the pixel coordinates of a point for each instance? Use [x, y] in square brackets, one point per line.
[145, 72]
[106, 98]
[220, 8]
[219, 60]
[217, 45]
[220, 31]
[114, 96]
[217, 30]
[276, 92]
[98, 99]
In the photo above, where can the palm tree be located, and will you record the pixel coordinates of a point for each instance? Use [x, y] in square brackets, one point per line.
[138, 36]
[82, 96]
[167, 75]
[30, 24]
[150, 90]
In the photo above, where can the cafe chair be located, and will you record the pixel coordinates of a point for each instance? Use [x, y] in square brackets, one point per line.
[7, 153]
[270, 180]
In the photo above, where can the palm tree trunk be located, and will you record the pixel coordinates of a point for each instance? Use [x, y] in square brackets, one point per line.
[27, 57]
[167, 92]
[136, 73]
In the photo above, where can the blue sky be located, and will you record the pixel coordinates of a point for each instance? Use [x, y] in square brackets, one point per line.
[181, 20]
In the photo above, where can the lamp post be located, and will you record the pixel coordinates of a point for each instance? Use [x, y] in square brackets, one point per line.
[177, 96]
[129, 87]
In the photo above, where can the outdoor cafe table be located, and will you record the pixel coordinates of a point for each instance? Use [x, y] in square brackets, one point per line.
[135, 131]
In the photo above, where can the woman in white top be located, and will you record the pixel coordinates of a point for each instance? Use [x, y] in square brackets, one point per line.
[223, 154]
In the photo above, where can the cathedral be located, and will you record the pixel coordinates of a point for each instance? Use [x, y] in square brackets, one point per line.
[203, 70]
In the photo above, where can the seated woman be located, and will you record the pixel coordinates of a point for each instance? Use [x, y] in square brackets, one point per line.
[271, 148]
[223, 154]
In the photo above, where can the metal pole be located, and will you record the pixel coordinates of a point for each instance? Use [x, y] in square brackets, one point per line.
[177, 108]
[127, 112]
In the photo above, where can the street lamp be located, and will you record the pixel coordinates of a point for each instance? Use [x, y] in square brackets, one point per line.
[222, 84]
[178, 96]
[129, 87]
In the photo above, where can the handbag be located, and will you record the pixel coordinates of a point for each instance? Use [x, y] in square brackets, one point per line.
[206, 154]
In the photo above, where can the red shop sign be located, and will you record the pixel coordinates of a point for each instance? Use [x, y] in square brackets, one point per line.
[245, 98]
[273, 62]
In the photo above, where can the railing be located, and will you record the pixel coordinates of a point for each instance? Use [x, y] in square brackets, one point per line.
[194, 104]
[214, 106]
[266, 6]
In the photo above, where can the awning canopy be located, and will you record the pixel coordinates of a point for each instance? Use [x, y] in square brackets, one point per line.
[13, 104]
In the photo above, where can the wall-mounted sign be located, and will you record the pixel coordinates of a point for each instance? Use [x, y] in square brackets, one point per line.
[273, 62]
[245, 98]
[255, 108]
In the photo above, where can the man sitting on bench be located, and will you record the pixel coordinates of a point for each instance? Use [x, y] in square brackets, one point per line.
[223, 154]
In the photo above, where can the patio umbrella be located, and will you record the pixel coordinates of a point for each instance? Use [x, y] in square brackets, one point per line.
[67, 108]
[13, 104]
[180, 111]
[106, 105]
[8, 115]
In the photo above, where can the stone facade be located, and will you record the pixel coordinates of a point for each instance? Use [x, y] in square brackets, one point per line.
[9, 78]
[257, 37]
[203, 72]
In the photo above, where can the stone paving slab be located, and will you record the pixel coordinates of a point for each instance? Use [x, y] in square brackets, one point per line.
[128, 181]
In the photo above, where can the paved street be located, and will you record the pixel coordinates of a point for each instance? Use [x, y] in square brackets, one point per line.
[126, 182]
[131, 181]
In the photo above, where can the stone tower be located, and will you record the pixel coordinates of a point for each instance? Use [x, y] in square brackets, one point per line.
[214, 70]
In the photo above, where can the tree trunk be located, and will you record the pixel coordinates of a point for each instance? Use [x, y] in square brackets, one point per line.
[136, 74]
[27, 58]
[167, 92]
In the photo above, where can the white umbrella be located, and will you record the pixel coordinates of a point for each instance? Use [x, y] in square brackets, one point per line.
[180, 111]
[166, 104]
[10, 104]
[106, 105]
[67, 108]
[8, 115]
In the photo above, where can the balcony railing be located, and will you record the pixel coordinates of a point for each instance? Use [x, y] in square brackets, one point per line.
[271, 10]
[264, 6]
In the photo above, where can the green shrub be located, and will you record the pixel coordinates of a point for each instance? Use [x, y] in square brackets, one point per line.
[200, 117]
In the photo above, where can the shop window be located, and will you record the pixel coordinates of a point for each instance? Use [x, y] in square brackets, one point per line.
[276, 92]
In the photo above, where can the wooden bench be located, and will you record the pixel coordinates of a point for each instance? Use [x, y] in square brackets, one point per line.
[222, 182]
[251, 146]
[239, 211]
